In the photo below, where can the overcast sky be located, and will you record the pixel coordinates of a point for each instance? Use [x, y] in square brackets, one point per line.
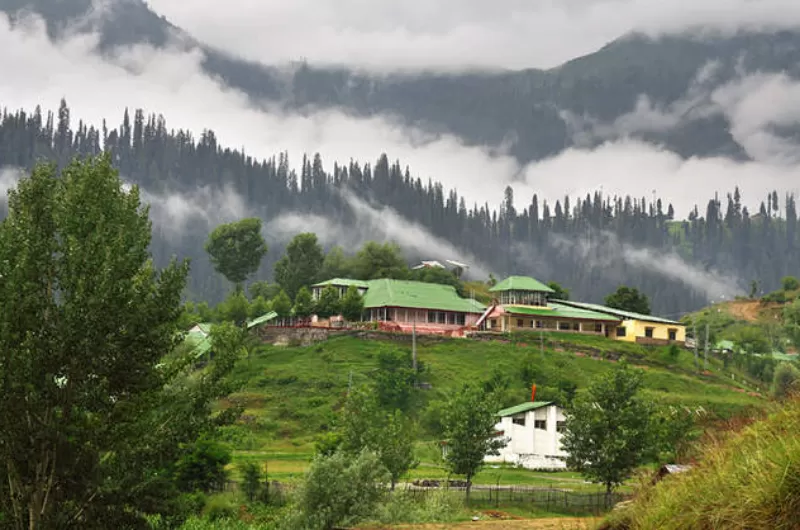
[452, 34]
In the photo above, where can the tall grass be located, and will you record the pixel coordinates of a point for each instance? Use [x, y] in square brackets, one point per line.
[748, 479]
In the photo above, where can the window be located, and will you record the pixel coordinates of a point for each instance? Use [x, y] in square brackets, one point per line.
[539, 324]
[519, 420]
[648, 332]
[431, 317]
[563, 326]
[576, 326]
[461, 319]
[493, 323]
[519, 323]
[621, 331]
[598, 328]
[561, 426]
[673, 334]
[540, 424]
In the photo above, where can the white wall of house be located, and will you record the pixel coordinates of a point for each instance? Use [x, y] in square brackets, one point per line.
[530, 445]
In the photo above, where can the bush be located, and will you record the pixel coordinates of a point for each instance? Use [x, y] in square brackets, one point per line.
[786, 381]
[202, 467]
[340, 490]
[222, 506]
[437, 506]
[790, 283]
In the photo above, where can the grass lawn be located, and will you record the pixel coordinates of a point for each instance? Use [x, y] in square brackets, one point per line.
[292, 394]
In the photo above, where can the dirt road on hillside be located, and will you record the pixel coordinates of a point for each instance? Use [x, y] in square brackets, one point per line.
[554, 523]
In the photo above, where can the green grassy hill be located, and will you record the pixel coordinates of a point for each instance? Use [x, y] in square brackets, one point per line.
[290, 394]
[748, 479]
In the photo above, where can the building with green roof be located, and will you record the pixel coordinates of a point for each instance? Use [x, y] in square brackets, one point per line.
[532, 432]
[637, 327]
[341, 285]
[522, 290]
[419, 303]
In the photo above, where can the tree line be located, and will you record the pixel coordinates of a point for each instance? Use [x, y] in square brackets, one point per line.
[572, 241]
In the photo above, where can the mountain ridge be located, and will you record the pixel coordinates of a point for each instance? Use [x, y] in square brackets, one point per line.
[518, 110]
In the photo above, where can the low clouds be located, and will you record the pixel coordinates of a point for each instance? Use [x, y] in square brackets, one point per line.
[382, 35]
[172, 82]
[607, 253]
[374, 224]
[8, 180]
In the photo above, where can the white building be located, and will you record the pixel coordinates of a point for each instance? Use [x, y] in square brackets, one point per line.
[533, 432]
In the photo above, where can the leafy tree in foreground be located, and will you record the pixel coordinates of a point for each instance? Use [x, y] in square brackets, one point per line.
[92, 419]
[202, 468]
[561, 293]
[340, 490]
[468, 423]
[282, 305]
[365, 425]
[303, 304]
[236, 249]
[394, 380]
[235, 308]
[352, 305]
[329, 303]
[629, 299]
[608, 429]
[376, 260]
[301, 265]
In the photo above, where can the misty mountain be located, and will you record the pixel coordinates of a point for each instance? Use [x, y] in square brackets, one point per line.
[591, 244]
[522, 111]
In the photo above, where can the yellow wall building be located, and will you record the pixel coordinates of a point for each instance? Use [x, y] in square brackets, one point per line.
[644, 329]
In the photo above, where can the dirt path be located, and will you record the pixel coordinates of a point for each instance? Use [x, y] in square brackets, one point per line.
[554, 523]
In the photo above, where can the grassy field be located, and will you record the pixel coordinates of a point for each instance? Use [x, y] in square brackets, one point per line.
[746, 479]
[291, 394]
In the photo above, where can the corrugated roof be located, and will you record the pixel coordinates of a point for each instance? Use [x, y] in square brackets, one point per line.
[625, 315]
[524, 407]
[203, 327]
[342, 282]
[266, 317]
[418, 295]
[521, 283]
[199, 344]
[559, 310]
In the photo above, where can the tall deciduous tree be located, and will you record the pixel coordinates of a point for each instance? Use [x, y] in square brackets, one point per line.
[329, 303]
[303, 303]
[561, 293]
[236, 249]
[609, 430]
[375, 260]
[301, 265]
[282, 305]
[629, 299]
[352, 305]
[468, 422]
[92, 418]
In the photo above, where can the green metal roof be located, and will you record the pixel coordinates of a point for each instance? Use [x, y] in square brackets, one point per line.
[262, 319]
[560, 310]
[524, 407]
[418, 295]
[521, 283]
[625, 315]
[199, 344]
[205, 327]
[343, 282]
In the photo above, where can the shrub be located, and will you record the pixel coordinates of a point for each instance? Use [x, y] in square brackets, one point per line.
[786, 381]
[340, 490]
[222, 506]
[790, 283]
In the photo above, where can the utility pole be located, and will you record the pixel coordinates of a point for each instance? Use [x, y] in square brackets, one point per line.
[694, 333]
[705, 351]
[414, 348]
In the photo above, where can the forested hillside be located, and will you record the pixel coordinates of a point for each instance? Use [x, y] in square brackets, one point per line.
[591, 246]
[524, 110]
